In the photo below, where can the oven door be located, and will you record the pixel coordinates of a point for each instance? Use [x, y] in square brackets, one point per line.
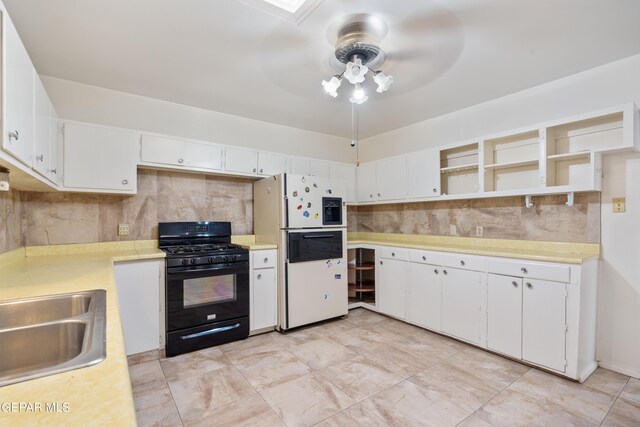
[196, 296]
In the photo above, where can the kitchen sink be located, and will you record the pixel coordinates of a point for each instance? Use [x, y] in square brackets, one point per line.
[52, 334]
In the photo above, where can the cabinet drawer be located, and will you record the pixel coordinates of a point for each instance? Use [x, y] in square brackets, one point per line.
[264, 259]
[465, 262]
[533, 270]
[426, 257]
[394, 253]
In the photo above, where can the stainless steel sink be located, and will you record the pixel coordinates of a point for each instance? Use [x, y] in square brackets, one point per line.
[52, 334]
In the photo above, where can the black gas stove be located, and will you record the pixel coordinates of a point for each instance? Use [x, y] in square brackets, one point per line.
[207, 285]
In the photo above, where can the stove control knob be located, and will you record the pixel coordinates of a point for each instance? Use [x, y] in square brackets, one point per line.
[193, 260]
[210, 260]
[226, 258]
[185, 261]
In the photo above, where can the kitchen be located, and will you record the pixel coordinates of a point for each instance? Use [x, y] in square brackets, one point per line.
[507, 167]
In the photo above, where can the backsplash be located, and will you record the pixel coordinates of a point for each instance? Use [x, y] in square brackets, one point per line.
[550, 219]
[59, 218]
[12, 212]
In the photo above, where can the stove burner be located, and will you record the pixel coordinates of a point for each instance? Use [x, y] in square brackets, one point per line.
[191, 249]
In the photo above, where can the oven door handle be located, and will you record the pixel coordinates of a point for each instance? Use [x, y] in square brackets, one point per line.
[210, 332]
[182, 270]
[318, 236]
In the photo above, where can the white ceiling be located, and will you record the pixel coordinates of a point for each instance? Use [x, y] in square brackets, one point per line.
[232, 57]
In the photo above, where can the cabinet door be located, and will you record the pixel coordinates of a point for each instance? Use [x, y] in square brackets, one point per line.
[366, 185]
[42, 129]
[391, 178]
[239, 160]
[203, 156]
[161, 150]
[347, 173]
[270, 164]
[319, 168]
[544, 323]
[264, 298]
[300, 166]
[99, 158]
[138, 286]
[423, 174]
[391, 295]
[19, 96]
[461, 298]
[424, 295]
[504, 318]
[54, 164]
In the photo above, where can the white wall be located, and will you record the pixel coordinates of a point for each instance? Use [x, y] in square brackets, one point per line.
[613, 84]
[77, 101]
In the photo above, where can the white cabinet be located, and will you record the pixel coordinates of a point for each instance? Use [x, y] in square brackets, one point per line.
[423, 174]
[42, 129]
[140, 285]
[382, 180]
[366, 174]
[55, 163]
[391, 178]
[19, 96]
[304, 166]
[346, 172]
[240, 160]
[424, 295]
[461, 303]
[270, 164]
[172, 152]
[264, 290]
[391, 288]
[544, 325]
[99, 159]
[504, 314]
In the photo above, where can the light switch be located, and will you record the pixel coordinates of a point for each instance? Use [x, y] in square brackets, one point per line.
[453, 230]
[619, 204]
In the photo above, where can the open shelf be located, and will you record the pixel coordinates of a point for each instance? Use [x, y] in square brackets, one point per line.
[459, 169]
[361, 276]
[362, 266]
[595, 134]
[567, 156]
[512, 164]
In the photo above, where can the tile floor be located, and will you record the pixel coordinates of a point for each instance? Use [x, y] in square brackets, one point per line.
[369, 370]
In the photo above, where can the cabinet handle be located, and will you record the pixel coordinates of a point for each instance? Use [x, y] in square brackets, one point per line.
[379, 195]
[181, 161]
[255, 170]
[40, 158]
[380, 262]
[523, 270]
[529, 285]
[462, 263]
[445, 272]
[371, 196]
[424, 258]
[261, 170]
[515, 284]
[125, 182]
[266, 260]
[15, 135]
[259, 276]
[436, 271]
[54, 171]
[393, 254]
[435, 191]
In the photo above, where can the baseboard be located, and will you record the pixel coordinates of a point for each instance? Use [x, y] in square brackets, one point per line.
[622, 370]
[582, 376]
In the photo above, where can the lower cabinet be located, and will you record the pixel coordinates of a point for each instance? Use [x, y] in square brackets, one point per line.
[461, 303]
[391, 288]
[544, 324]
[264, 290]
[140, 284]
[504, 314]
[424, 295]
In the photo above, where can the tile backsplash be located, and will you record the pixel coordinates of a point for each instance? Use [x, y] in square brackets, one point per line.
[59, 218]
[550, 219]
[12, 220]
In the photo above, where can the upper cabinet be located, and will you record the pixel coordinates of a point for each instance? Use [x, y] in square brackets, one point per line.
[99, 159]
[382, 180]
[19, 97]
[347, 173]
[366, 182]
[423, 174]
[251, 162]
[45, 160]
[179, 153]
[305, 166]
[270, 164]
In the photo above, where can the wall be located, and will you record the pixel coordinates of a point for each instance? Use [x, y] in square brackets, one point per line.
[501, 218]
[77, 101]
[12, 212]
[611, 84]
[59, 218]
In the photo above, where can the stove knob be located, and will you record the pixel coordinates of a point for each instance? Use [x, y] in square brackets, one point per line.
[226, 258]
[185, 261]
[210, 259]
[193, 260]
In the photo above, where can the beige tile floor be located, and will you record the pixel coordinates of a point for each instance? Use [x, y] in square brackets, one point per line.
[369, 370]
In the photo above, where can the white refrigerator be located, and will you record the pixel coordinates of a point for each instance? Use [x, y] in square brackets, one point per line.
[306, 217]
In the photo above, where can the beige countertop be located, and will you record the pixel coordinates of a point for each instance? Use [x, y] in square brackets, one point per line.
[249, 242]
[96, 395]
[572, 253]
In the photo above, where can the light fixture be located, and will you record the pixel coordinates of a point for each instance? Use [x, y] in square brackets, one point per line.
[357, 46]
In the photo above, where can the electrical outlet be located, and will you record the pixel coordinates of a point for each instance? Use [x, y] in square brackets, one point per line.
[479, 231]
[123, 229]
[618, 204]
[453, 230]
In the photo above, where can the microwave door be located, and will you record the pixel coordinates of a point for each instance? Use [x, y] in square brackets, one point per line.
[304, 201]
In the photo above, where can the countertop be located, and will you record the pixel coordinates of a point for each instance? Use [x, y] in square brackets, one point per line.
[96, 395]
[249, 242]
[571, 253]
